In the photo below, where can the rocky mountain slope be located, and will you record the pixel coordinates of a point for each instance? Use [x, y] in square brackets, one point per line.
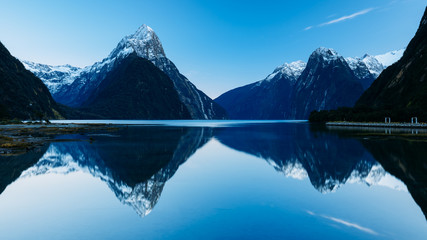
[326, 83]
[75, 87]
[136, 89]
[275, 96]
[23, 95]
[403, 85]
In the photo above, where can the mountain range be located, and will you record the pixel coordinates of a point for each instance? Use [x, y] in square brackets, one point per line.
[400, 91]
[138, 81]
[79, 87]
[292, 91]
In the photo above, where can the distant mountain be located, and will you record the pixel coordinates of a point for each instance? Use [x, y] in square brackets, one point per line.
[23, 95]
[366, 69]
[326, 83]
[136, 89]
[54, 77]
[271, 98]
[266, 99]
[389, 58]
[75, 88]
[402, 87]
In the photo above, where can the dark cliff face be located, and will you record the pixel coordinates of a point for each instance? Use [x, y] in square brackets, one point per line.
[403, 85]
[198, 103]
[22, 95]
[136, 89]
[326, 83]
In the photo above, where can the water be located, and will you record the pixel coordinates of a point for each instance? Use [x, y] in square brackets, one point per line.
[216, 180]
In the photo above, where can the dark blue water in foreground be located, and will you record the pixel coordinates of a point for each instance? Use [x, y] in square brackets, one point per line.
[253, 180]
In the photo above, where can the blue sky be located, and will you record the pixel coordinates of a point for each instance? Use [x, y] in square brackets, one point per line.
[217, 44]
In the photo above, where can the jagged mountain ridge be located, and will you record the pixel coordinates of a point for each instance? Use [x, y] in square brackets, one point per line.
[366, 69]
[53, 76]
[326, 83]
[271, 98]
[76, 89]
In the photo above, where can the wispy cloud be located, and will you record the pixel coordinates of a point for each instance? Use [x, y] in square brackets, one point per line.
[346, 223]
[343, 18]
[353, 225]
[363, 12]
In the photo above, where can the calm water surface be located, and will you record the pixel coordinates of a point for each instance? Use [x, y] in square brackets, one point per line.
[216, 180]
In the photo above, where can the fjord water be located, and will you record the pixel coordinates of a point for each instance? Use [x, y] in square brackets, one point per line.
[213, 180]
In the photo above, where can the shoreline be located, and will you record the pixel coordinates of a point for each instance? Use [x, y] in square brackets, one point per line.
[379, 125]
[17, 139]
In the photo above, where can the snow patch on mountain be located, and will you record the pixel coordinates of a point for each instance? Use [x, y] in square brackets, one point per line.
[375, 64]
[389, 58]
[291, 70]
[367, 61]
[328, 54]
[54, 77]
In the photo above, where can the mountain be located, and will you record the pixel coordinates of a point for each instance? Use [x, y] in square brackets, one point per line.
[389, 58]
[265, 99]
[402, 87]
[326, 83]
[23, 95]
[366, 69]
[76, 88]
[272, 97]
[136, 89]
[53, 76]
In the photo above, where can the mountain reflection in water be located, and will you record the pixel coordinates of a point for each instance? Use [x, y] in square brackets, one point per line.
[136, 162]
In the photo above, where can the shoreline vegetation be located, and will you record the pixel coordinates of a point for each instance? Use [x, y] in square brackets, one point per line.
[17, 137]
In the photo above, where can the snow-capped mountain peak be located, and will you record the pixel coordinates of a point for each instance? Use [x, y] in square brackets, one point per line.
[328, 54]
[368, 62]
[144, 42]
[53, 76]
[389, 58]
[374, 66]
[291, 70]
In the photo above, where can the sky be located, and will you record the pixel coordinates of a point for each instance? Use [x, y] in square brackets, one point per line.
[217, 44]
